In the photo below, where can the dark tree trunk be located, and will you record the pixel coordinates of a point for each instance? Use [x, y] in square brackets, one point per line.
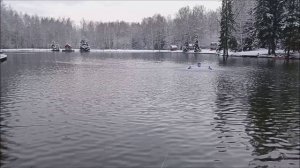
[288, 53]
[273, 49]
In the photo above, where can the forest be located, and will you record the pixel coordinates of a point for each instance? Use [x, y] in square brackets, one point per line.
[157, 32]
[239, 25]
[252, 24]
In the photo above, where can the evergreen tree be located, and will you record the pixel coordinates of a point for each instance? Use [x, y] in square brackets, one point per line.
[249, 32]
[268, 16]
[227, 41]
[196, 46]
[291, 26]
[250, 38]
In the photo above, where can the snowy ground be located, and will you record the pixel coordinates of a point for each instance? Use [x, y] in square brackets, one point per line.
[204, 51]
[257, 53]
[261, 53]
[25, 50]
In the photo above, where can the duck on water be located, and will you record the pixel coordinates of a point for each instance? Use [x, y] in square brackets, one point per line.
[199, 66]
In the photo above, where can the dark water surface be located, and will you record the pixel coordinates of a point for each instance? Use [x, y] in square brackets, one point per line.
[148, 110]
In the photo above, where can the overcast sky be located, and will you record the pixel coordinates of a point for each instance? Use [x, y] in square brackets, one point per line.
[130, 11]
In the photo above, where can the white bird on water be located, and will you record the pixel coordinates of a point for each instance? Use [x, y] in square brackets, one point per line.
[209, 68]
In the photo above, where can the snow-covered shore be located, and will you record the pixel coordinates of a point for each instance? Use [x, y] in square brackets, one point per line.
[25, 50]
[261, 53]
[203, 51]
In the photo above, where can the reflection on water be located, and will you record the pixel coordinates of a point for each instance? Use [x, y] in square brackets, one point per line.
[274, 117]
[148, 110]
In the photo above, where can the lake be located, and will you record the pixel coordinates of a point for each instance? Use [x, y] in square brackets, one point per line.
[148, 110]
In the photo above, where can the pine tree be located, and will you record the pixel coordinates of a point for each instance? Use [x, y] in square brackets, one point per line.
[249, 33]
[268, 16]
[227, 41]
[291, 26]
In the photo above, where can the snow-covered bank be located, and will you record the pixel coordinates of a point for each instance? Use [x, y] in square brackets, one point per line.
[25, 50]
[129, 51]
[203, 51]
[261, 53]
[257, 53]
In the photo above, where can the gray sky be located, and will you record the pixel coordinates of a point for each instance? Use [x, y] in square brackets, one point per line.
[130, 11]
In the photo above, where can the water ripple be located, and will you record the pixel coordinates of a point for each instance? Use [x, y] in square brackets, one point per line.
[128, 110]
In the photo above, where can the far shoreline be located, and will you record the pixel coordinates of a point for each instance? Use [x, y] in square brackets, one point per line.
[259, 53]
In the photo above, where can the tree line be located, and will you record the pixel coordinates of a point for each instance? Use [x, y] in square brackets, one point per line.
[157, 32]
[270, 24]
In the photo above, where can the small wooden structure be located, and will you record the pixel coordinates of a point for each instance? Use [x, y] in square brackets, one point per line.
[214, 45]
[68, 48]
[173, 47]
[187, 46]
[191, 46]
